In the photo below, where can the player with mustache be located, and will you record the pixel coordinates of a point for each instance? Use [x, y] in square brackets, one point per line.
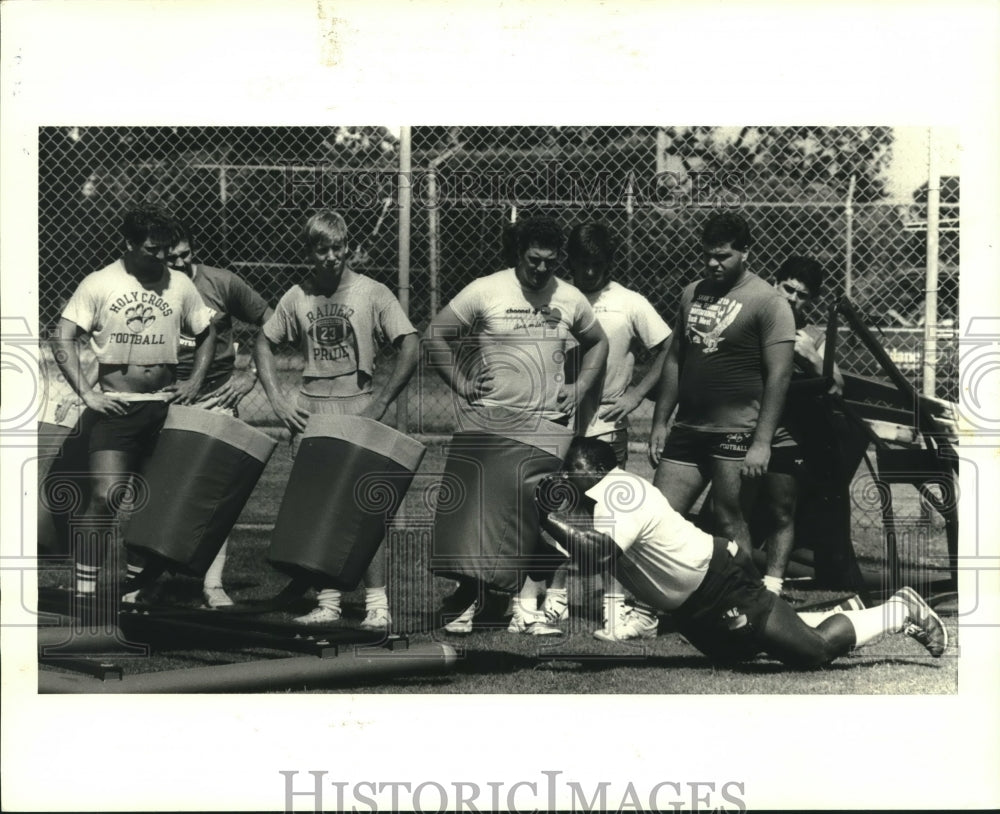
[133, 312]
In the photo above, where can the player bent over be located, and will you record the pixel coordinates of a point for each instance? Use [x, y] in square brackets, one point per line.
[628, 319]
[707, 584]
[338, 318]
[229, 297]
[134, 312]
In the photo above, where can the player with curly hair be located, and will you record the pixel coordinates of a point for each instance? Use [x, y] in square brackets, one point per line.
[134, 312]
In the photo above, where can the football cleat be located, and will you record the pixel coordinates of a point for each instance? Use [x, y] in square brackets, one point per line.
[215, 596]
[319, 616]
[532, 624]
[377, 619]
[635, 623]
[921, 623]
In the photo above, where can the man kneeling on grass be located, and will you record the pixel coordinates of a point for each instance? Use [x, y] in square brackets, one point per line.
[622, 523]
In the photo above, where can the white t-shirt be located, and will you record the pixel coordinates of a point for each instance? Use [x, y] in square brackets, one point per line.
[339, 334]
[624, 315]
[136, 323]
[522, 337]
[665, 556]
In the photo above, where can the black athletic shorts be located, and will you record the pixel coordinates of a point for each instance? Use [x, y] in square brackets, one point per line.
[725, 617]
[134, 433]
[787, 460]
[692, 447]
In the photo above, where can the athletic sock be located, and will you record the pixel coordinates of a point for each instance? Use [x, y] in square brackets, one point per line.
[773, 584]
[613, 602]
[329, 598]
[375, 599]
[872, 624]
[558, 593]
[527, 597]
[86, 578]
[132, 576]
[213, 577]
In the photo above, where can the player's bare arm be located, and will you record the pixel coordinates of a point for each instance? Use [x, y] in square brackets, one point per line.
[634, 395]
[186, 392]
[67, 356]
[443, 342]
[593, 357]
[291, 415]
[406, 362]
[809, 356]
[777, 364]
[231, 393]
[589, 549]
[666, 399]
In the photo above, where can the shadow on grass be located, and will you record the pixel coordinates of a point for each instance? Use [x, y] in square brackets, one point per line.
[841, 665]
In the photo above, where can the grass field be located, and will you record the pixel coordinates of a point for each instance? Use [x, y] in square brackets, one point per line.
[493, 661]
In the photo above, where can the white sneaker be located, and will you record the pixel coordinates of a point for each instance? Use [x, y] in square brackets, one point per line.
[319, 616]
[216, 597]
[377, 619]
[531, 624]
[131, 598]
[462, 624]
[555, 608]
[636, 623]
[613, 622]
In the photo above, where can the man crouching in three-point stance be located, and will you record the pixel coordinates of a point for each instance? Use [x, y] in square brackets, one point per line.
[621, 522]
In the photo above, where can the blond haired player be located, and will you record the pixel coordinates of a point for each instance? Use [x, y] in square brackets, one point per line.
[338, 319]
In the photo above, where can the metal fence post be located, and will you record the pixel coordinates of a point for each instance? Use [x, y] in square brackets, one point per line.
[405, 197]
[849, 240]
[931, 286]
[433, 260]
[433, 228]
[223, 198]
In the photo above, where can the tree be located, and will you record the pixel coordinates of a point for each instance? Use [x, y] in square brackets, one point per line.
[787, 163]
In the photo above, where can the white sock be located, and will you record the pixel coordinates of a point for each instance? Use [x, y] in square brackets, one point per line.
[132, 574]
[527, 597]
[612, 604]
[872, 624]
[558, 593]
[86, 578]
[213, 577]
[375, 598]
[329, 598]
[773, 584]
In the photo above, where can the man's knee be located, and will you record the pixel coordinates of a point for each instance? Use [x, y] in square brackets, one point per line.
[832, 639]
[782, 513]
[109, 494]
[680, 484]
[728, 516]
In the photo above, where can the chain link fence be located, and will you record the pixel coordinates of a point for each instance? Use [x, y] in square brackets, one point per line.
[246, 193]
